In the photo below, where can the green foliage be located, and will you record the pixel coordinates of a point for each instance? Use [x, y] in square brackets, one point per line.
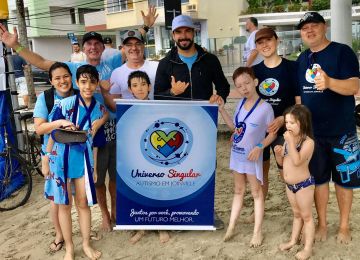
[294, 7]
[356, 45]
[355, 2]
[318, 5]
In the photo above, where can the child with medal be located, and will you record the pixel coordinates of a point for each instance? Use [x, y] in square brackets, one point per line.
[251, 119]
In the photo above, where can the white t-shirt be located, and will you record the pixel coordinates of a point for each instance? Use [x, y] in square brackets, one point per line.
[78, 57]
[254, 133]
[249, 46]
[119, 78]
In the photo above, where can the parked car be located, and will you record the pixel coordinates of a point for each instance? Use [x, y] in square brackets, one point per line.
[40, 77]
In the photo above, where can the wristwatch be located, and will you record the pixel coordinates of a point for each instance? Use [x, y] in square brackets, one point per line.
[146, 28]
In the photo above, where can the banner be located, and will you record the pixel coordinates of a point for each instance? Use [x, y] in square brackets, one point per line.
[166, 161]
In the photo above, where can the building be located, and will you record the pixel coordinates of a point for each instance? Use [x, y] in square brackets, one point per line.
[213, 19]
[49, 22]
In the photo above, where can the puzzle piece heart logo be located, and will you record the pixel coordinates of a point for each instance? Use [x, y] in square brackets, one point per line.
[311, 73]
[269, 87]
[166, 144]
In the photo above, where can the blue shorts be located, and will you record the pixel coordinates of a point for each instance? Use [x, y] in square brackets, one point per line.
[336, 159]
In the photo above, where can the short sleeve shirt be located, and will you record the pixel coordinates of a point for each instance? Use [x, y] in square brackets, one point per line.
[332, 113]
[277, 86]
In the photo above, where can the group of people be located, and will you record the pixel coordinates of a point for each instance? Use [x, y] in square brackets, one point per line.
[312, 142]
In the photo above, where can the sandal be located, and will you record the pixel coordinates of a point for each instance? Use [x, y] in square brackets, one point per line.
[57, 246]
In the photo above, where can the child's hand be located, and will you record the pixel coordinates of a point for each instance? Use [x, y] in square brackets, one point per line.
[278, 150]
[288, 136]
[95, 126]
[218, 100]
[45, 169]
[66, 124]
[255, 154]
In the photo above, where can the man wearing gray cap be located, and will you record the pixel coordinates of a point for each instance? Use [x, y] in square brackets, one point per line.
[328, 76]
[188, 72]
[134, 47]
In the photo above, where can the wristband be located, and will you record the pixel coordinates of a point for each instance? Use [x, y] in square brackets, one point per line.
[260, 145]
[19, 48]
[145, 28]
[45, 153]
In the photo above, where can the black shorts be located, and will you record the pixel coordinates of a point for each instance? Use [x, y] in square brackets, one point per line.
[336, 159]
[278, 141]
[106, 162]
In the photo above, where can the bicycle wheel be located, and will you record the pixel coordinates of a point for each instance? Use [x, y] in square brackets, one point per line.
[15, 181]
[35, 148]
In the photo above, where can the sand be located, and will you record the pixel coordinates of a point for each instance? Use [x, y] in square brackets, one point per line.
[26, 232]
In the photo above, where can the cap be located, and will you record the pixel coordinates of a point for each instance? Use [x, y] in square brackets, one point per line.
[182, 21]
[132, 34]
[310, 17]
[265, 32]
[107, 40]
[92, 35]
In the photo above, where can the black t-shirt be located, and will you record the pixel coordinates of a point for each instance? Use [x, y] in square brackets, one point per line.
[332, 113]
[277, 85]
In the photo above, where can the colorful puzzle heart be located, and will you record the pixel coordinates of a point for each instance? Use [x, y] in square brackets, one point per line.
[166, 144]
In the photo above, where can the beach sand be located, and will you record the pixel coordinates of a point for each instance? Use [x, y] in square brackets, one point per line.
[26, 232]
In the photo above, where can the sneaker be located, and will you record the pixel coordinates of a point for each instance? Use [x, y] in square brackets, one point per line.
[218, 223]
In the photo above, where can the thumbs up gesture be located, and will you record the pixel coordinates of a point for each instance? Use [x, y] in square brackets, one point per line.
[321, 80]
[178, 87]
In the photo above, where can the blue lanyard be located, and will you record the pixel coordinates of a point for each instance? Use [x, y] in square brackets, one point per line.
[88, 111]
[248, 114]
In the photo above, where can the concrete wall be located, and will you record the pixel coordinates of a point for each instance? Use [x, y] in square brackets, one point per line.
[57, 49]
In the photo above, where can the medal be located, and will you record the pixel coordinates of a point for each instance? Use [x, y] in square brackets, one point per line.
[240, 126]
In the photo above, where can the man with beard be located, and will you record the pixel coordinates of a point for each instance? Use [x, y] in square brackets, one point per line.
[251, 55]
[188, 72]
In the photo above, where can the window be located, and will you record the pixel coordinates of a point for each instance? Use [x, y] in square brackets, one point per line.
[160, 3]
[72, 16]
[119, 5]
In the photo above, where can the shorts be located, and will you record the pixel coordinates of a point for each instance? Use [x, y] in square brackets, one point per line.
[336, 159]
[21, 86]
[266, 155]
[106, 162]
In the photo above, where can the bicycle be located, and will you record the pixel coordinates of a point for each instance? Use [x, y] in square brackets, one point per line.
[16, 182]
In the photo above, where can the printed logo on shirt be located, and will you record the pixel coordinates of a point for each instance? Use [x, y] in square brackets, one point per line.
[312, 72]
[166, 142]
[269, 87]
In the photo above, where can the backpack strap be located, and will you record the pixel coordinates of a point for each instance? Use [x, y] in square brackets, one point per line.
[49, 98]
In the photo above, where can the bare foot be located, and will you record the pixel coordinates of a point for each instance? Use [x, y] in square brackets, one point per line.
[134, 239]
[91, 253]
[106, 225]
[69, 253]
[286, 246]
[95, 236]
[250, 219]
[303, 254]
[229, 234]
[320, 234]
[164, 236]
[256, 240]
[343, 236]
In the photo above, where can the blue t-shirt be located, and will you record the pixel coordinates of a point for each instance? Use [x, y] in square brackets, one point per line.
[41, 111]
[277, 86]
[189, 61]
[19, 64]
[105, 69]
[332, 113]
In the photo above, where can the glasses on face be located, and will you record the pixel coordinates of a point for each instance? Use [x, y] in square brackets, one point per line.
[136, 45]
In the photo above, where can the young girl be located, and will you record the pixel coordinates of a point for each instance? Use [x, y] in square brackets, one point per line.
[250, 122]
[139, 86]
[294, 156]
[74, 166]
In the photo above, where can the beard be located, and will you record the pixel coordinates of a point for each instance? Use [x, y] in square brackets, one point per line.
[187, 47]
